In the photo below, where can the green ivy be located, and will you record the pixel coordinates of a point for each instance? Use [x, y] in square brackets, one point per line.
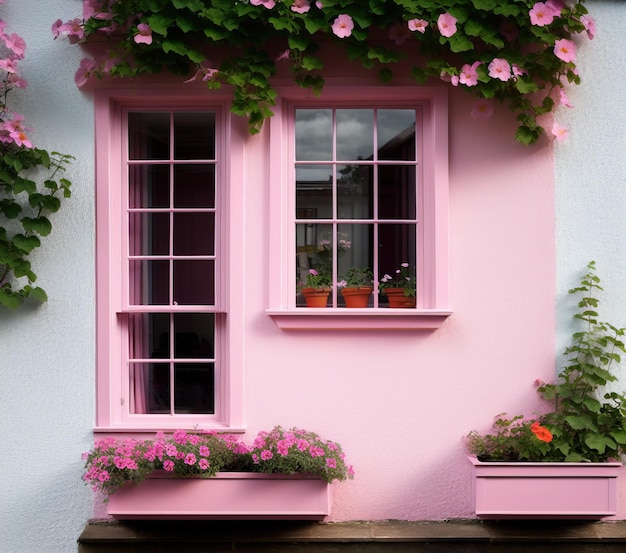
[32, 189]
[187, 33]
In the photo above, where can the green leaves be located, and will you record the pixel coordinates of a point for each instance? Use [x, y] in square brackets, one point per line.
[31, 198]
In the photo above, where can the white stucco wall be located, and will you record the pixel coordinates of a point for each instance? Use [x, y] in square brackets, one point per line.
[46, 354]
[591, 172]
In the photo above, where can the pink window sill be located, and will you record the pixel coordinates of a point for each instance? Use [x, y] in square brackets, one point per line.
[503, 490]
[359, 319]
[228, 495]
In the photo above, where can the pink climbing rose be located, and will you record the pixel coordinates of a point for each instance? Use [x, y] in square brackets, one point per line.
[144, 36]
[499, 68]
[446, 24]
[565, 50]
[418, 25]
[343, 25]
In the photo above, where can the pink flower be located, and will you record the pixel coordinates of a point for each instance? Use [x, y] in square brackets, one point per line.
[190, 459]
[469, 74]
[73, 29]
[203, 464]
[284, 55]
[556, 6]
[518, 71]
[565, 50]
[541, 14]
[266, 455]
[204, 71]
[269, 4]
[590, 25]
[499, 68]
[446, 24]
[418, 25]
[331, 463]
[564, 99]
[9, 65]
[204, 451]
[16, 44]
[103, 476]
[482, 109]
[85, 70]
[343, 25]
[168, 465]
[559, 132]
[144, 36]
[301, 6]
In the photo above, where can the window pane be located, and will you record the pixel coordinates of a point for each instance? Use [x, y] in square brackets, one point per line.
[354, 248]
[355, 192]
[150, 233]
[194, 233]
[396, 192]
[149, 186]
[195, 335]
[149, 388]
[194, 282]
[149, 282]
[194, 388]
[397, 244]
[194, 135]
[355, 134]
[148, 135]
[396, 134]
[148, 335]
[194, 186]
[314, 135]
[314, 191]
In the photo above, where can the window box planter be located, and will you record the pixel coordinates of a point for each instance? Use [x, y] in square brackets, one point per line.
[228, 495]
[502, 490]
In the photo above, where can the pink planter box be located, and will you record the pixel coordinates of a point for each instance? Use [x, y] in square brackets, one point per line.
[544, 490]
[228, 495]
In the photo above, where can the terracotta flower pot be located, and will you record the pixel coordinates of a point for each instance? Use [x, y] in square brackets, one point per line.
[316, 297]
[398, 299]
[358, 296]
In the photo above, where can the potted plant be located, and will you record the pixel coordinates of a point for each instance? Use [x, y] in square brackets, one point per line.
[356, 286]
[316, 288]
[283, 474]
[578, 442]
[400, 289]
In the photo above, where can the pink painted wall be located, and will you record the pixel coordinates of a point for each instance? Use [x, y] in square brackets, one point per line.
[401, 402]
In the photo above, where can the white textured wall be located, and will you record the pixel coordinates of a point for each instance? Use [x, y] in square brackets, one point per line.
[46, 354]
[591, 172]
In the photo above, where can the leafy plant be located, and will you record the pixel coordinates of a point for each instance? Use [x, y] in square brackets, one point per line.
[114, 463]
[517, 52]
[31, 187]
[356, 277]
[317, 279]
[404, 277]
[588, 422]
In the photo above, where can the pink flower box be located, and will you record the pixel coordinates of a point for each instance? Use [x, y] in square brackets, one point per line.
[502, 490]
[228, 495]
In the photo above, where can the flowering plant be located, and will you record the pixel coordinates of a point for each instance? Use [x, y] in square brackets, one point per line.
[517, 52]
[113, 463]
[317, 279]
[356, 277]
[29, 184]
[405, 278]
[588, 422]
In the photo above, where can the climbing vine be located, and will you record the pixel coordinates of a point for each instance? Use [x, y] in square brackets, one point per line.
[518, 52]
[31, 186]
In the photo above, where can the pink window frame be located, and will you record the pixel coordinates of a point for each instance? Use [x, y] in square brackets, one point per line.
[432, 253]
[113, 394]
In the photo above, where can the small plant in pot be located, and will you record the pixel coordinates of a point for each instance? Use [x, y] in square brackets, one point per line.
[316, 288]
[401, 288]
[356, 286]
[588, 422]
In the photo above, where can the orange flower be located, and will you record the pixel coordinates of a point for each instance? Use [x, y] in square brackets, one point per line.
[541, 432]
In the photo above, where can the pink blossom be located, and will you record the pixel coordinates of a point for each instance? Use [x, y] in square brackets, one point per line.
[16, 44]
[284, 55]
[518, 71]
[203, 464]
[85, 70]
[564, 99]
[418, 25]
[15, 80]
[171, 450]
[541, 14]
[343, 25]
[454, 81]
[204, 71]
[539, 382]
[482, 109]
[168, 465]
[300, 6]
[269, 4]
[204, 451]
[590, 25]
[190, 459]
[144, 36]
[9, 65]
[446, 24]
[103, 476]
[556, 6]
[559, 132]
[565, 50]
[469, 74]
[499, 68]
[331, 463]
[319, 4]
[73, 29]
[266, 455]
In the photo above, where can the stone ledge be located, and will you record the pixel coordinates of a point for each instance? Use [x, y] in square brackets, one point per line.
[246, 532]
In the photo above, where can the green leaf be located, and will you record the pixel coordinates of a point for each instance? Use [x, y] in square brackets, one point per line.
[526, 135]
[26, 243]
[311, 62]
[39, 294]
[9, 299]
[40, 225]
[160, 23]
